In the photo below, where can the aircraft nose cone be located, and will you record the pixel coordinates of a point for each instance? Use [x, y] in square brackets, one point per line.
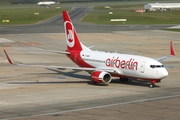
[164, 73]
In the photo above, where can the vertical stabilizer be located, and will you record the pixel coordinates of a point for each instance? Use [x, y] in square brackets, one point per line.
[72, 40]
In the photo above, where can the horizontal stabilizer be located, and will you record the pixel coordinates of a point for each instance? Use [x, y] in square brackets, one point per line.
[56, 51]
[172, 53]
[91, 46]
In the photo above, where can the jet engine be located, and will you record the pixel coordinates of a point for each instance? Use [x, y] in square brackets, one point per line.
[101, 77]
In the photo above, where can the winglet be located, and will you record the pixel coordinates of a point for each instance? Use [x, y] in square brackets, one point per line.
[8, 58]
[172, 51]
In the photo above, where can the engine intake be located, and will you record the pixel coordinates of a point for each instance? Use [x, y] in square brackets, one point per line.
[101, 77]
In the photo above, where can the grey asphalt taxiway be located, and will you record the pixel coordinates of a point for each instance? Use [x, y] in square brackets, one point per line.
[38, 93]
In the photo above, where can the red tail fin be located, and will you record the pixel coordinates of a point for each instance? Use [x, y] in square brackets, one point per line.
[72, 40]
[172, 51]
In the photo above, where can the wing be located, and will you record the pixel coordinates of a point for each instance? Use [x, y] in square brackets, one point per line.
[114, 71]
[172, 53]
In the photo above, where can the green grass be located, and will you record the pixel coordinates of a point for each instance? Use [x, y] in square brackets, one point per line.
[127, 11]
[24, 14]
[103, 17]
[119, 6]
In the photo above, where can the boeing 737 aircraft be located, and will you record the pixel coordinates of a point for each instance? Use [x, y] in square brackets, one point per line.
[103, 65]
[48, 3]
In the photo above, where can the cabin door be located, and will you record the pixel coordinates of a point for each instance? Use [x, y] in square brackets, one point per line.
[142, 67]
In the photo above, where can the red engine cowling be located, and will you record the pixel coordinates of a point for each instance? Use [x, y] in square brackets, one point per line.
[101, 77]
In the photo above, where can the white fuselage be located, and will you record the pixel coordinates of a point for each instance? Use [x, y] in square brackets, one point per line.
[127, 65]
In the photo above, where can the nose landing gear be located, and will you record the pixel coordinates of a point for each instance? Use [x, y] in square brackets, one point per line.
[152, 83]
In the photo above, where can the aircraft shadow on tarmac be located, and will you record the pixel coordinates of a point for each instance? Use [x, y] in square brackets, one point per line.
[133, 82]
[37, 82]
[73, 74]
[56, 75]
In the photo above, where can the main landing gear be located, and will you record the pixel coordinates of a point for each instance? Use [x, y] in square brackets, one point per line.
[123, 79]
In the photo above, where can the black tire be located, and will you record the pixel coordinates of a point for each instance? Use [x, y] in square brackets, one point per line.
[151, 85]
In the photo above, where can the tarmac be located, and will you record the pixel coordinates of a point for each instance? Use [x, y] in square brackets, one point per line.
[52, 94]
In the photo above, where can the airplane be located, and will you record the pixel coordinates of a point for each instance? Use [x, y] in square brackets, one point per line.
[48, 3]
[104, 65]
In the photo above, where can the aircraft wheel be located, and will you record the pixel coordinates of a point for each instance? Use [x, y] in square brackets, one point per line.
[123, 79]
[126, 79]
[120, 79]
[151, 85]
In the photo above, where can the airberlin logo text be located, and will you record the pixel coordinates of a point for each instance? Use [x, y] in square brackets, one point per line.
[124, 64]
[69, 33]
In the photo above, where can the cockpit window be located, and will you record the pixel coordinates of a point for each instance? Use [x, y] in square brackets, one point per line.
[156, 66]
[152, 66]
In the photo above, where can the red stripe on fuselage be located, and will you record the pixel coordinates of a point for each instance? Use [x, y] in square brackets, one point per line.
[123, 76]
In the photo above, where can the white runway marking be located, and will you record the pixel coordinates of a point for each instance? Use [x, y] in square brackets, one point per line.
[5, 40]
[178, 26]
[101, 106]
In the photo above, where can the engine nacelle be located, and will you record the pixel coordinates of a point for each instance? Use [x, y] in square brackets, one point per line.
[101, 77]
